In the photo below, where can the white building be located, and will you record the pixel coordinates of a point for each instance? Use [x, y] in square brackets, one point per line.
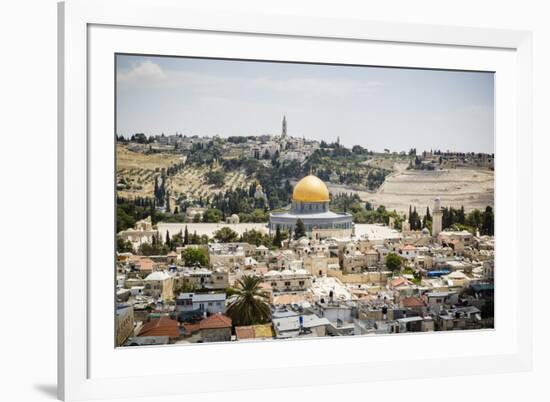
[159, 284]
[142, 232]
[211, 303]
[408, 252]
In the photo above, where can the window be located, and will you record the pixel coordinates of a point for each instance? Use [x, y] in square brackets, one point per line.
[287, 283]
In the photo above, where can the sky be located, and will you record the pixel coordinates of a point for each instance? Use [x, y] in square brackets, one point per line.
[375, 107]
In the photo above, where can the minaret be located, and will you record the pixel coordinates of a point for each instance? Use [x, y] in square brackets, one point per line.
[283, 134]
[437, 218]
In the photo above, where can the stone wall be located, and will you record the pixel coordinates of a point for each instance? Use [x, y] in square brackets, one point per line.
[367, 277]
[216, 335]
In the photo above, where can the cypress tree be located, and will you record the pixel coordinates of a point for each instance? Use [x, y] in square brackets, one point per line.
[488, 225]
[461, 218]
[299, 230]
[277, 239]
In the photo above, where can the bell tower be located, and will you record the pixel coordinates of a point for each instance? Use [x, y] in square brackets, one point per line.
[437, 218]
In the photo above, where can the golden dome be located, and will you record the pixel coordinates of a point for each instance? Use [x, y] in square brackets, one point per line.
[311, 189]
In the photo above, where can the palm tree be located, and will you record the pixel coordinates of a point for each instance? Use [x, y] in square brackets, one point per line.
[248, 305]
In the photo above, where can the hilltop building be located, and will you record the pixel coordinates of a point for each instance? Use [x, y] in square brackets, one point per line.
[310, 204]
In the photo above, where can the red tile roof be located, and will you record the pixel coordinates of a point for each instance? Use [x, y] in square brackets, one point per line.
[145, 264]
[409, 247]
[190, 328]
[412, 302]
[398, 282]
[215, 321]
[162, 326]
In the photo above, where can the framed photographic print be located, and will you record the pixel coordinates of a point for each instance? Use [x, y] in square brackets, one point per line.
[313, 201]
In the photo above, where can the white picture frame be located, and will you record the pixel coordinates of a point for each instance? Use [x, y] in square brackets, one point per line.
[87, 36]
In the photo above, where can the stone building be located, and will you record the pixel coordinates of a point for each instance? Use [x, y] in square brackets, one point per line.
[159, 284]
[216, 328]
[142, 232]
[288, 280]
[124, 323]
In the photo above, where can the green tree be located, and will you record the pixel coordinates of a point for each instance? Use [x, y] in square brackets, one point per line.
[259, 215]
[488, 226]
[474, 218]
[256, 237]
[186, 236]
[194, 256]
[249, 303]
[212, 215]
[277, 240]
[176, 240]
[226, 235]
[155, 248]
[185, 288]
[393, 262]
[168, 207]
[461, 216]
[426, 221]
[123, 246]
[299, 229]
[216, 178]
[167, 241]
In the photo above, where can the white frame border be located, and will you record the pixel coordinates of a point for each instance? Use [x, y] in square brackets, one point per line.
[74, 18]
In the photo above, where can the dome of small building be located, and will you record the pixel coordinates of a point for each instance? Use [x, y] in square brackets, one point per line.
[311, 189]
[272, 273]
[157, 276]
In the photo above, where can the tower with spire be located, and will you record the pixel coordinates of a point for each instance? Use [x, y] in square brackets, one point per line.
[283, 134]
[437, 218]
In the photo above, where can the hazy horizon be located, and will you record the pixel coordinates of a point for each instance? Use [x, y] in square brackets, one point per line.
[374, 107]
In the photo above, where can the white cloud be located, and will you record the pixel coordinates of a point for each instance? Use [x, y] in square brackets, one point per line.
[145, 72]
